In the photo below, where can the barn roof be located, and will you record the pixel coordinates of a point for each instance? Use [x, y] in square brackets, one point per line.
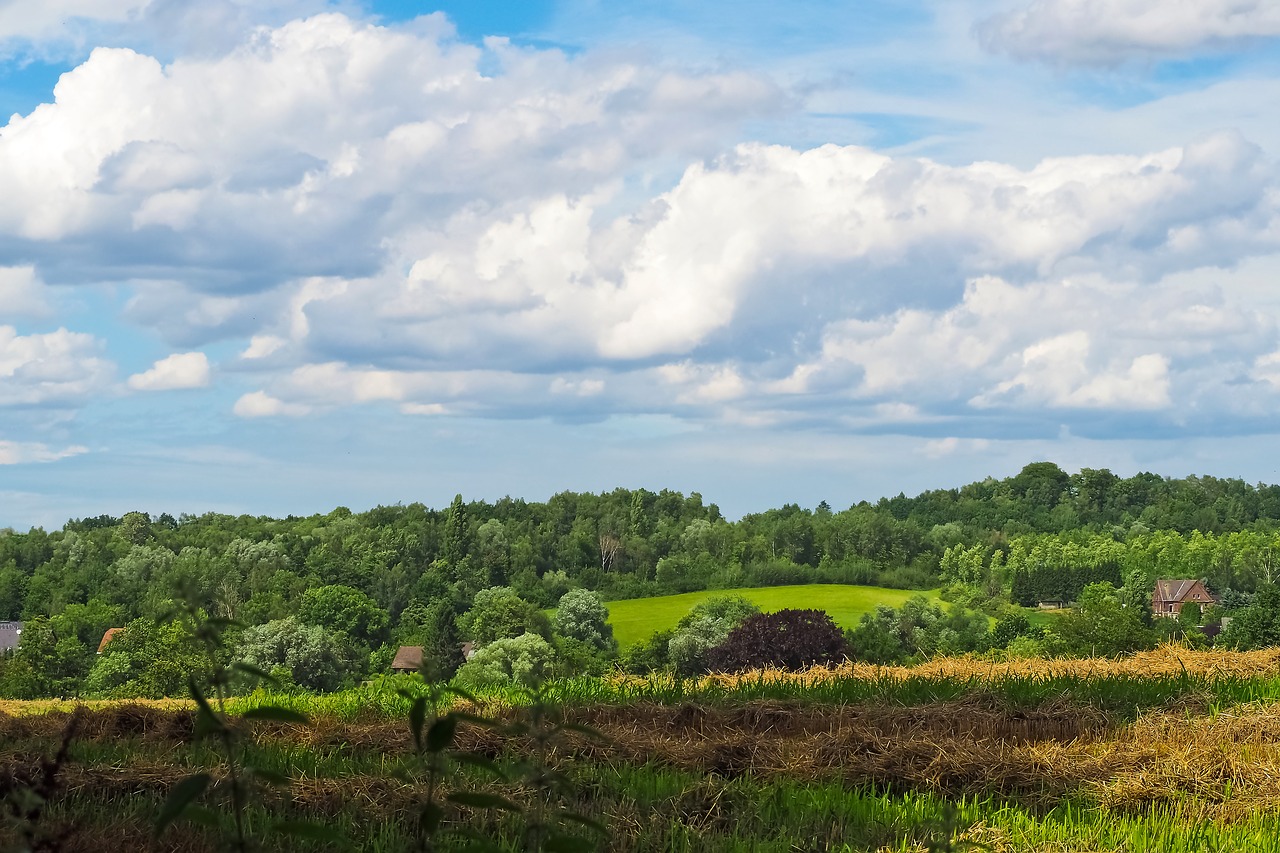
[408, 658]
[108, 637]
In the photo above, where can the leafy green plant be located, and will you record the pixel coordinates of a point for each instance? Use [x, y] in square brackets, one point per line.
[547, 819]
[27, 799]
[242, 775]
[433, 759]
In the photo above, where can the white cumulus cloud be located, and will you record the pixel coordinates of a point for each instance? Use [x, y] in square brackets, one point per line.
[178, 371]
[260, 404]
[22, 293]
[55, 368]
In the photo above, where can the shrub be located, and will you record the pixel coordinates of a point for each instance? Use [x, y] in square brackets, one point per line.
[788, 639]
[1009, 628]
[703, 628]
[651, 653]
[688, 649]
[1100, 625]
[526, 660]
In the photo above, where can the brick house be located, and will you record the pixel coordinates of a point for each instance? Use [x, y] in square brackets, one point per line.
[1169, 596]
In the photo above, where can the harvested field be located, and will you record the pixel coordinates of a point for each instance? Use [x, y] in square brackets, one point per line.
[1168, 661]
[1056, 770]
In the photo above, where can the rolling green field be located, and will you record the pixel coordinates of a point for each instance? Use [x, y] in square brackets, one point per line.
[637, 618]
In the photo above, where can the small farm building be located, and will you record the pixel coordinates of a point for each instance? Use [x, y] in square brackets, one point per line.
[108, 637]
[10, 635]
[407, 659]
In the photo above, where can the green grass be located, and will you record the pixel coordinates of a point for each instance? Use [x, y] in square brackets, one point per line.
[1121, 696]
[637, 618]
[1046, 618]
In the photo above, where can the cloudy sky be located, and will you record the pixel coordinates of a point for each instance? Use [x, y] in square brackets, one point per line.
[274, 256]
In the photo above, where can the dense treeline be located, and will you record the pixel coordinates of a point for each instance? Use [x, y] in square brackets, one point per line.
[625, 543]
[326, 598]
[1043, 498]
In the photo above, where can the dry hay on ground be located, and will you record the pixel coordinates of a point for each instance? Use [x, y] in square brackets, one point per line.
[149, 721]
[1167, 660]
[1229, 762]
[29, 707]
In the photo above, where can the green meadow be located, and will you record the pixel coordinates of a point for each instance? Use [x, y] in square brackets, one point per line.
[637, 618]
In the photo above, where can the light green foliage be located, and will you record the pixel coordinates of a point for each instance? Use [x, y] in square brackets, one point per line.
[730, 609]
[1256, 626]
[706, 626]
[525, 660]
[144, 580]
[1100, 625]
[498, 613]
[921, 628]
[688, 648]
[494, 551]
[685, 572]
[146, 660]
[304, 655]
[1024, 647]
[582, 616]
[135, 528]
[350, 611]
[555, 584]
[699, 536]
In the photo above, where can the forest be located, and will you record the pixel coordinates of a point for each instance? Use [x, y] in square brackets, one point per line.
[325, 600]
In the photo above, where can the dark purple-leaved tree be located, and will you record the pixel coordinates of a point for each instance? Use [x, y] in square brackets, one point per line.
[788, 639]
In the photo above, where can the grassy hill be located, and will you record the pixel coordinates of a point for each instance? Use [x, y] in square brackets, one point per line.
[637, 618]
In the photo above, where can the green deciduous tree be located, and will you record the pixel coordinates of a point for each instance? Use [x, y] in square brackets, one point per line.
[342, 608]
[304, 655]
[525, 660]
[498, 613]
[147, 660]
[1256, 626]
[1100, 624]
[582, 616]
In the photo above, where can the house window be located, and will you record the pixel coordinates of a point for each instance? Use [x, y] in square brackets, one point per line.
[1170, 608]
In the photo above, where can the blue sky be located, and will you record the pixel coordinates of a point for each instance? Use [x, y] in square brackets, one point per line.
[280, 256]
